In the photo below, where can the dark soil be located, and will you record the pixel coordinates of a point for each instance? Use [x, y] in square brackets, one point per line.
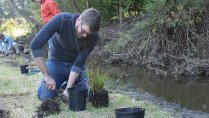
[100, 99]
[48, 107]
[4, 114]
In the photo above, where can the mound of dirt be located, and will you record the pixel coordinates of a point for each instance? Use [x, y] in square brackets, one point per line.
[4, 113]
[48, 107]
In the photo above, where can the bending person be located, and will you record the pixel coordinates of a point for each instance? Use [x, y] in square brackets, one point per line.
[75, 37]
[7, 44]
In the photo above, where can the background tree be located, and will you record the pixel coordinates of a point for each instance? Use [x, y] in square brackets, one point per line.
[20, 10]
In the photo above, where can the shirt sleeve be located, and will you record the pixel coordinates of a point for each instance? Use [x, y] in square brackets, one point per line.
[44, 35]
[83, 54]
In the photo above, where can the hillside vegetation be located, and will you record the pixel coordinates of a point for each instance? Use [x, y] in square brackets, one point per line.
[169, 37]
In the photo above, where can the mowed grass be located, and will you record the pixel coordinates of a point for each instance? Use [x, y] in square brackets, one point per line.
[18, 94]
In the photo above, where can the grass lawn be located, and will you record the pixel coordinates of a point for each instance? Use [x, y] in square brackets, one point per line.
[18, 94]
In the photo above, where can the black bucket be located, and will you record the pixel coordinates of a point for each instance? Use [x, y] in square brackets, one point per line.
[130, 112]
[77, 98]
[24, 69]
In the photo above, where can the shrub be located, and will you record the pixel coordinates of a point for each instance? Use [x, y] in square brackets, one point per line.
[97, 79]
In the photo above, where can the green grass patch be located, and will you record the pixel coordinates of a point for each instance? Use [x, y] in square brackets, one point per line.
[18, 94]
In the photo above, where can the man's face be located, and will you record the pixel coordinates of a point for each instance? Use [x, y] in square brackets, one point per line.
[82, 30]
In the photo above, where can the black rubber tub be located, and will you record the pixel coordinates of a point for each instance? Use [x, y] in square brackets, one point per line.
[130, 112]
[77, 99]
[24, 69]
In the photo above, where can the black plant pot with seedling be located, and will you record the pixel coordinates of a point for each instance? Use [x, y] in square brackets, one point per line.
[100, 98]
[130, 112]
[24, 69]
[77, 98]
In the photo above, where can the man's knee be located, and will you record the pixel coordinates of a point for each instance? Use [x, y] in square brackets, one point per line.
[47, 95]
[44, 98]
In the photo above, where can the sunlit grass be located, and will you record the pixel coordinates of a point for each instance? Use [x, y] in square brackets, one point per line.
[18, 94]
[13, 81]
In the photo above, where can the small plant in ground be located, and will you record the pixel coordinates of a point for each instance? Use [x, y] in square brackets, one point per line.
[97, 80]
[100, 96]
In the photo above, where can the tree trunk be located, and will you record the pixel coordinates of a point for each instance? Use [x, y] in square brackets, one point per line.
[87, 4]
[120, 13]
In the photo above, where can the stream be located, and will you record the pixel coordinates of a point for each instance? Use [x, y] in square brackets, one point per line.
[187, 92]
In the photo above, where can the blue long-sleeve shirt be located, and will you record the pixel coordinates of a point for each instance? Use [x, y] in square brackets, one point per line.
[7, 41]
[64, 44]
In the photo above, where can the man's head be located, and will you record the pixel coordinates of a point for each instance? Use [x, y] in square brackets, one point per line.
[37, 1]
[1, 36]
[88, 23]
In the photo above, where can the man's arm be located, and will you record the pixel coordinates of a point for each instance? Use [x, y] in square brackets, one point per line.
[79, 63]
[72, 78]
[44, 35]
[37, 44]
[49, 82]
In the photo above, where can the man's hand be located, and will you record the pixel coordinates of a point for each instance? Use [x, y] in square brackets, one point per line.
[49, 82]
[65, 96]
[65, 93]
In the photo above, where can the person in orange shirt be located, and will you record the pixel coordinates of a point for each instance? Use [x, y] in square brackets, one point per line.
[48, 9]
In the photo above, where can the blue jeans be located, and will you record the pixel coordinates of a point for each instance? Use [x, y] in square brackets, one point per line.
[60, 71]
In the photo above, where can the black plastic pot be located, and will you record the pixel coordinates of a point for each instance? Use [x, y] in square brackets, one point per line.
[23, 69]
[77, 99]
[130, 112]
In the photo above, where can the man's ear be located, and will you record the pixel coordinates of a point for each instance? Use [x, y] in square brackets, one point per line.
[78, 20]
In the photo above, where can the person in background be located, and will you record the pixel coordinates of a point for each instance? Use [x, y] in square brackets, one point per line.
[48, 9]
[7, 44]
[76, 36]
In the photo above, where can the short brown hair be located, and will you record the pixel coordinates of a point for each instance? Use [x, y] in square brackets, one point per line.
[92, 18]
